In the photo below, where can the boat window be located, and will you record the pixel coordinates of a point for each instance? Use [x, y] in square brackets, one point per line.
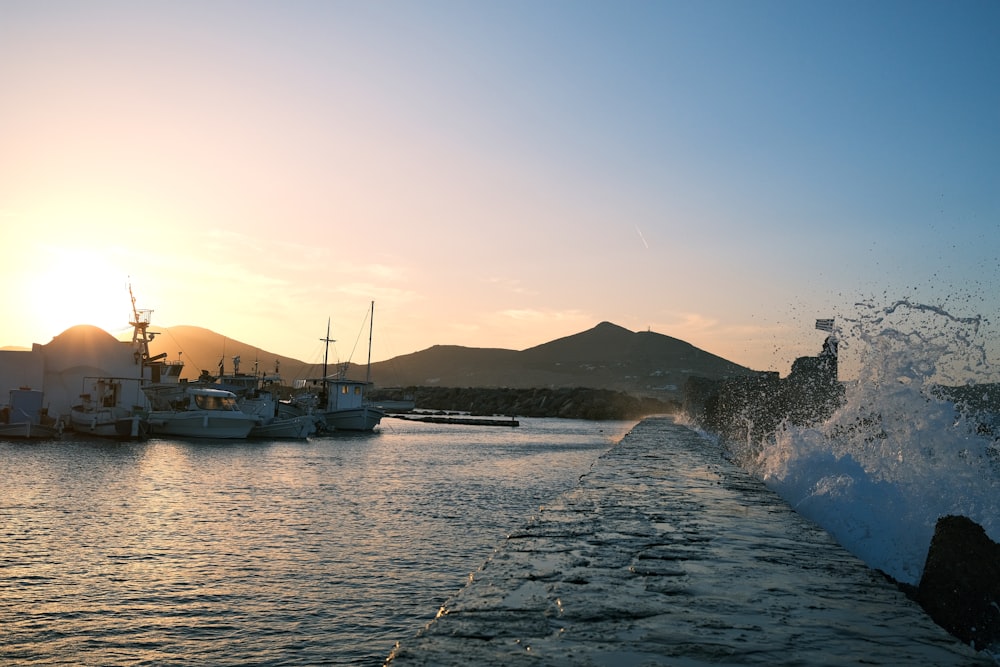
[215, 402]
[343, 389]
[357, 391]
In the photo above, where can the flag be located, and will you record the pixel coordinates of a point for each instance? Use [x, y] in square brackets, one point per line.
[825, 325]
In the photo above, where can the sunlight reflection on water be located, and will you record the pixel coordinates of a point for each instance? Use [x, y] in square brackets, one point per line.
[217, 553]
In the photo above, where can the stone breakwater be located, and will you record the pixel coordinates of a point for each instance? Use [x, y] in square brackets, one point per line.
[566, 403]
[668, 554]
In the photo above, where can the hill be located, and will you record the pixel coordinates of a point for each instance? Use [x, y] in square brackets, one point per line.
[203, 349]
[604, 357]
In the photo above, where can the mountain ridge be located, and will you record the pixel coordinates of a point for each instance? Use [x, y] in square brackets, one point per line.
[607, 356]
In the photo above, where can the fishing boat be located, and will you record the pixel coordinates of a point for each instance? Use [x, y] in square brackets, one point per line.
[190, 411]
[255, 394]
[102, 411]
[346, 407]
[178, 408]
[25, 416]
[343, 405]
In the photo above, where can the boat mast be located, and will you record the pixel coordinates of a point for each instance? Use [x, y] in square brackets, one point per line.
[326, 351]
[140, 324]
[371, 325]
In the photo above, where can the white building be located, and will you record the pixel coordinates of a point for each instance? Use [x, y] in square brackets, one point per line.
[69, 366]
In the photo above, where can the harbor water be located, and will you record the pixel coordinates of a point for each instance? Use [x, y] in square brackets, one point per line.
[596, 542]
[318, 552]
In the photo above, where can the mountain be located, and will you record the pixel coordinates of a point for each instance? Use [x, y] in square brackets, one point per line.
[202, 349]
[605, 357]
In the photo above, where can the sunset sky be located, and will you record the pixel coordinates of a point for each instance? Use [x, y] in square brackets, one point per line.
[497, 174]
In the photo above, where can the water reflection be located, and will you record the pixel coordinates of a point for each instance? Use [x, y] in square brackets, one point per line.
[320, 551]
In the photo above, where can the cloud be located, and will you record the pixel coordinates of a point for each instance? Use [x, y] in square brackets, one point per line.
[694, 322]
[513, 285]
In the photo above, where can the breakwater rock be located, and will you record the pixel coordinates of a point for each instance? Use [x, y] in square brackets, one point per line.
[668, 554]
[574, 403]
[960, 587]
[749, 408]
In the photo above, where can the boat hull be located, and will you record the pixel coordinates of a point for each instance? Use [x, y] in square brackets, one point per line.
[29, 431]
[108, 423]
[365, 418]
[202, 424]
[292, 427]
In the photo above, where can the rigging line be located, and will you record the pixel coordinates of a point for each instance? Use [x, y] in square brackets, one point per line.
[308, 369]
[360, 334]
[181, 349]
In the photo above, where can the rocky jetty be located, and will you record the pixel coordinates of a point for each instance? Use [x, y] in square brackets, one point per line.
[666, 553]
[575, 403]
[749, 408]
[960, 587]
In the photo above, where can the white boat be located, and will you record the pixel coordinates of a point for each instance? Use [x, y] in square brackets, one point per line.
[176, 407]
[396, 406]
[285, 428]
[343, 405]
[255, 396]
[347, 409]
[25, 416]
[101, 411]
[198, 412]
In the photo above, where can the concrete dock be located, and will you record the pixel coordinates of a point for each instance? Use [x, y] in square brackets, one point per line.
[668, 554]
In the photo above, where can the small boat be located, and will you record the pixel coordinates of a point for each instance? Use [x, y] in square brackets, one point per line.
[285, 428]
[178, 408]
[198, 412]
[396, 406]
[25, 417]
[346, 408]
[342, 402]
[101, 412]
[255, 396]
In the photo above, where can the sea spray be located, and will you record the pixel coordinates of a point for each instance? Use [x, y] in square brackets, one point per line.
[898, 453]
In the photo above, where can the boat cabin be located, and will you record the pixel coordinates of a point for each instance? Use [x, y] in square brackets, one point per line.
[211, 399]
[345, 394]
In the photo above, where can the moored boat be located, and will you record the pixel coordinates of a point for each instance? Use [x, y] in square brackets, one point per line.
[25, 416]
[101, 411]
[346, 407]
[343, 405]
[255, 396]
[198, 412]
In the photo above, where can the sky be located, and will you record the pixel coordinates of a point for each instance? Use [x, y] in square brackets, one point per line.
[497, 173]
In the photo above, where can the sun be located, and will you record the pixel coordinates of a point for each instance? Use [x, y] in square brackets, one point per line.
[77, 286]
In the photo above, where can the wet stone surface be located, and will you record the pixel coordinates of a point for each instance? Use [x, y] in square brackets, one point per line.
[667, 554]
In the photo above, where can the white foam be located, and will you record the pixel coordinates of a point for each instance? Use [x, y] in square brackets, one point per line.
[880, 472]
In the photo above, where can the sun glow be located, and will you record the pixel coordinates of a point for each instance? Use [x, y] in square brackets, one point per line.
[72, 286]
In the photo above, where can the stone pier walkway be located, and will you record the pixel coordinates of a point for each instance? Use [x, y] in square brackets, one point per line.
[667, 554]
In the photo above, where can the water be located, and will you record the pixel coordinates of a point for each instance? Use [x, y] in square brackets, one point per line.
[897, 456]
[325, 551]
